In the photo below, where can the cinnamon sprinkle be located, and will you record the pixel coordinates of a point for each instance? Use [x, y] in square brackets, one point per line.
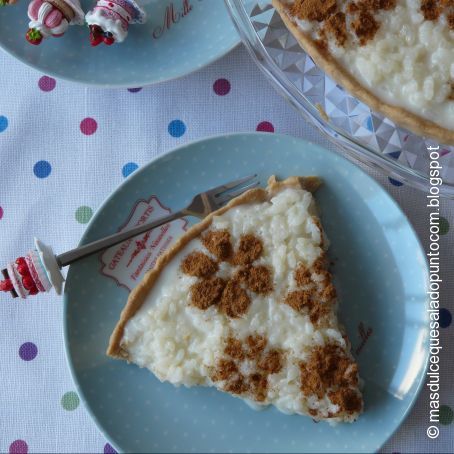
[365, 26]
[329, 370]
[237, 386]
[336, 25]
[298, 299]
[337, 18]
[304, 299]
[313, 10]
[249, 250]
[256, 278]
[261, 362]
[206, 292]
[225, 369]
[234, 349]
[430, 9]
[302, 275]
[234, 301]
[451, 20]
[256, 345]
[347, 399]
[271, 362]
[218, 243]
[198, 264]
[259, 386]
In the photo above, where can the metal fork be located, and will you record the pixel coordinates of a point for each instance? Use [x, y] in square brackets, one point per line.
[201, 205]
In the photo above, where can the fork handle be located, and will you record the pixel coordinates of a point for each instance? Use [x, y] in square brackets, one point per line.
[96, 246]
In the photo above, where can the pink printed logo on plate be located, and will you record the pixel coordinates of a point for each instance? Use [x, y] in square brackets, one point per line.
[127, 263]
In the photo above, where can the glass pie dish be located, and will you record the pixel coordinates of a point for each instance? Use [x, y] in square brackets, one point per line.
[365, 135]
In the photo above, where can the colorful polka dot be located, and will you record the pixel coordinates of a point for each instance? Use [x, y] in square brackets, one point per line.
[88, 126]
[1, 212]
[395, 182]
[70, 401]
[18, 447]
[443, 225]
[3, 123]
[47, 83]
[265, 126]
[445, 318]
[134, 90]
[446, 415]
[28, 351]
[221, 87]
[176, 128]
[42, 169]
[108, 449]
[83, 214]
[129, 168]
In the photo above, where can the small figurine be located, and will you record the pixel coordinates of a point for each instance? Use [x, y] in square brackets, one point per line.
[52, 18]
[109, 20]
[36, 272]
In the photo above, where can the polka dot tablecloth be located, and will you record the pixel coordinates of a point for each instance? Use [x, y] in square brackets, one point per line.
[63, 149]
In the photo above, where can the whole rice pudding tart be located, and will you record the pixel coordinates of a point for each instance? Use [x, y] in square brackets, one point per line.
[397, 56]
[244, 302]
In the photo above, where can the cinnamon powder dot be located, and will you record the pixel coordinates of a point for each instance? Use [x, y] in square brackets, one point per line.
[336, 25]
[224, 370]
[218, 243]
[302, 275]
[259, 386]
[271, 362]
[239, 385]
[256, 278]
[207, 292]
[298, 299]
[365, 27]
[313, 10]
[329, 368]
[234, 348]
[198, 264]
[249, 250]
[234, 301]
[256, 345]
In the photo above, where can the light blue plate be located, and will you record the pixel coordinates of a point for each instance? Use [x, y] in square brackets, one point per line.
[380, 272]
[152, 52]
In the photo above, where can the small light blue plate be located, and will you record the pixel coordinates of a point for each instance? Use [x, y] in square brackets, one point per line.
[381, 276]
[171, 44]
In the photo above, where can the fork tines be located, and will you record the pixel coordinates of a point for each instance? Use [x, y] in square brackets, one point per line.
[235, 188]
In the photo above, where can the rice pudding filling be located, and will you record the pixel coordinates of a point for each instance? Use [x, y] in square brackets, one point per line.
[248, 306]
[395, 55]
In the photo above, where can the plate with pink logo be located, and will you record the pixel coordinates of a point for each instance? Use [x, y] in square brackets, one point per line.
[116, 43]
[380, 272]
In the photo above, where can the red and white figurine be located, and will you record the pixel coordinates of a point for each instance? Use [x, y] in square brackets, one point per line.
[52, 18]
[36, 272]
[109, 20]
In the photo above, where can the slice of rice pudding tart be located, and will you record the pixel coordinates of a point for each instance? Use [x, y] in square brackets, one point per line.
[244, 302]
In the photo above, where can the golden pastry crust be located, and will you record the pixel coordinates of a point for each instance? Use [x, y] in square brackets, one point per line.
[139, 294]
[337, 72]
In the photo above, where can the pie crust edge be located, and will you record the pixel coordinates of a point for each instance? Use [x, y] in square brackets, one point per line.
[338, 73]
[138, 295]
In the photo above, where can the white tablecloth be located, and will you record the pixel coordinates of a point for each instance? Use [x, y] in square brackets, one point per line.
[63, 149]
